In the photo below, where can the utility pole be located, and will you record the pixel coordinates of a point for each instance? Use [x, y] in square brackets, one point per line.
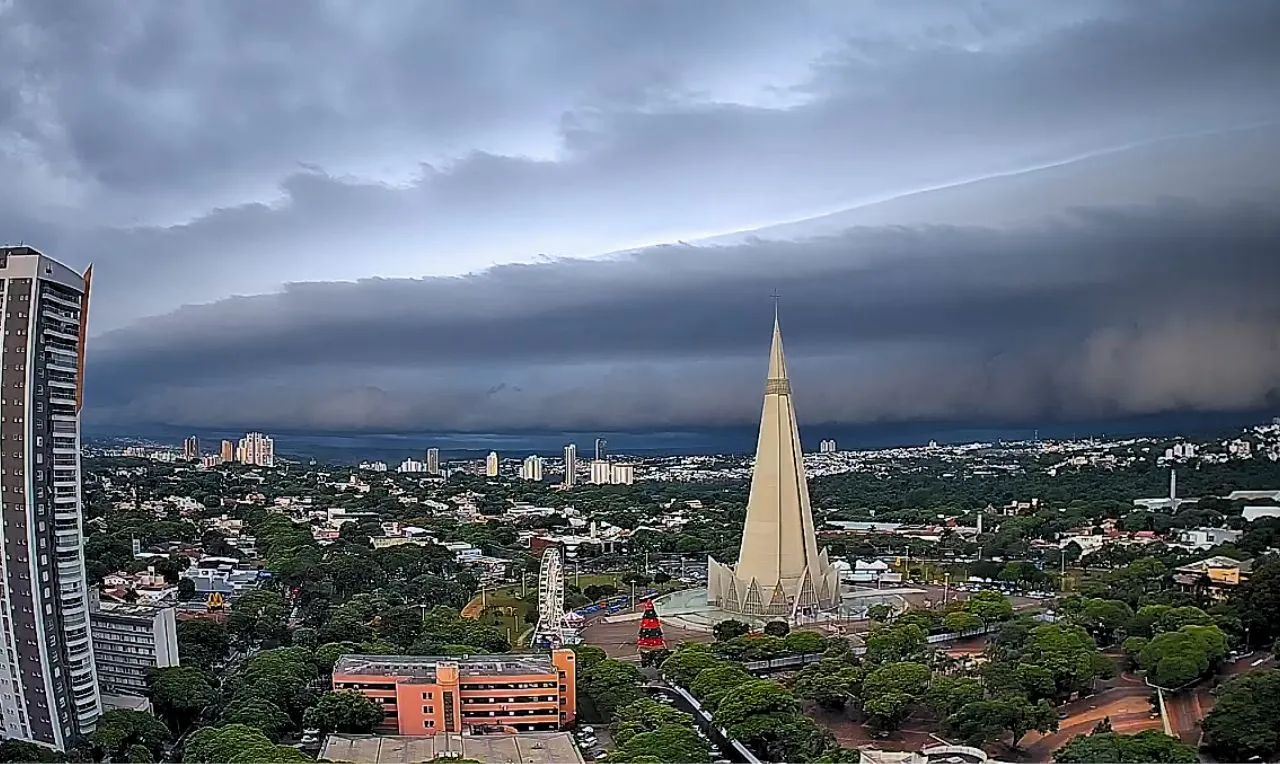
[946, 587]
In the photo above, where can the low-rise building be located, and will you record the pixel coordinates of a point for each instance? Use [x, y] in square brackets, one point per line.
[1216, 576]
[129, 641]
[222, 575]
[1207, 538]
[425, 695]
[1259, 511]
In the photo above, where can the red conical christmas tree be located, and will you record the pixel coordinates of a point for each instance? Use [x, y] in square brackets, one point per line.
[650, 630]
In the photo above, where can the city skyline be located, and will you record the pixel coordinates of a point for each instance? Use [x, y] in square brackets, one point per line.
[1002, 211]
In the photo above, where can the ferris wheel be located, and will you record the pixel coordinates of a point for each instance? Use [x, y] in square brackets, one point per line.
[550, 628]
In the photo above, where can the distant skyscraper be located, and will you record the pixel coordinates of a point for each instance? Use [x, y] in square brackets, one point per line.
[433, 461]
[602, 449]
[570, 464]
[622, 474]
[491, 464]
[256, 449]
[827, 447]
[531, 468]
[228, 452]
[780, 571]
[191, 448]
[48, 677]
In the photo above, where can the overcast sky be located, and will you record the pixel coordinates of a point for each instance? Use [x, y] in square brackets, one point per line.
[341, 214]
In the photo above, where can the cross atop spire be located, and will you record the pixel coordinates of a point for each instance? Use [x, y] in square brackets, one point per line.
[775, 297]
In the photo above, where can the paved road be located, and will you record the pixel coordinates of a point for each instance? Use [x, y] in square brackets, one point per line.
[1188, 708]
[1125, 704]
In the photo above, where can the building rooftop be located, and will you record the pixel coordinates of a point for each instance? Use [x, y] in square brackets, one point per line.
[527, 748]
[424, 666]
[125, 608]
[1219, 561]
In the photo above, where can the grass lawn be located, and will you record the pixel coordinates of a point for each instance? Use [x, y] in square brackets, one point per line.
[506, 614]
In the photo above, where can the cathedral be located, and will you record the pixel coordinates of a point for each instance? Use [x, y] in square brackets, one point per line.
[780, 572]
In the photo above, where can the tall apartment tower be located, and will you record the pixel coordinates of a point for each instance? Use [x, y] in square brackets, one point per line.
[491, 464]
[48, 679]
[601, 474]
[228, 451]
[602, 449]
[191, 448]
[570, 464]
[256, 449]
[531, 468]
[433, 461]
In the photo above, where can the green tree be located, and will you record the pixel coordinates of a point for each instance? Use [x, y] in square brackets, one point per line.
[889, 691]
[1064, 655]
[896, 642]
[960, 620]
[831, 683]
[237, 744]
[284, 676]
[23, 751]
[669, 742]
[715, 682]
[777, 628]
[179, 694]
[258, 616]
[948, 694]
[645, 715]
[1243, 723]
[764, 716]
[1149, 747]
[260, 713]
[683, 667]
[729, 629]
[1257, 600]
[202, 642]
[610, 685]
[329, 653]
[1103, 618]
[989, 606]
[119, 730]
[1176, 658]
[805, 642]
[984, 721]
[343, 711]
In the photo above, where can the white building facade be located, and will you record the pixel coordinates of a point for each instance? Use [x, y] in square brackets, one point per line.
[129, 641]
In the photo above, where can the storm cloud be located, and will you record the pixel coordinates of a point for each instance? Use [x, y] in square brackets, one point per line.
[1098, 313]
[396, 215]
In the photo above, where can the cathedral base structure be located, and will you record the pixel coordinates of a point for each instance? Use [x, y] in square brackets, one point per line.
[811, 593]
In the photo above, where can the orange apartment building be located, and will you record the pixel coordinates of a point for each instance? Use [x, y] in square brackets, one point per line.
[423, 695]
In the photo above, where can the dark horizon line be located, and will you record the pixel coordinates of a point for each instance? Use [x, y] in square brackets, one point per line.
[883, 434]
[1126, 422]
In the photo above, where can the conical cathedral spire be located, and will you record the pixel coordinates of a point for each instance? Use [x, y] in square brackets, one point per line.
[777, 359]
[779, 570]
